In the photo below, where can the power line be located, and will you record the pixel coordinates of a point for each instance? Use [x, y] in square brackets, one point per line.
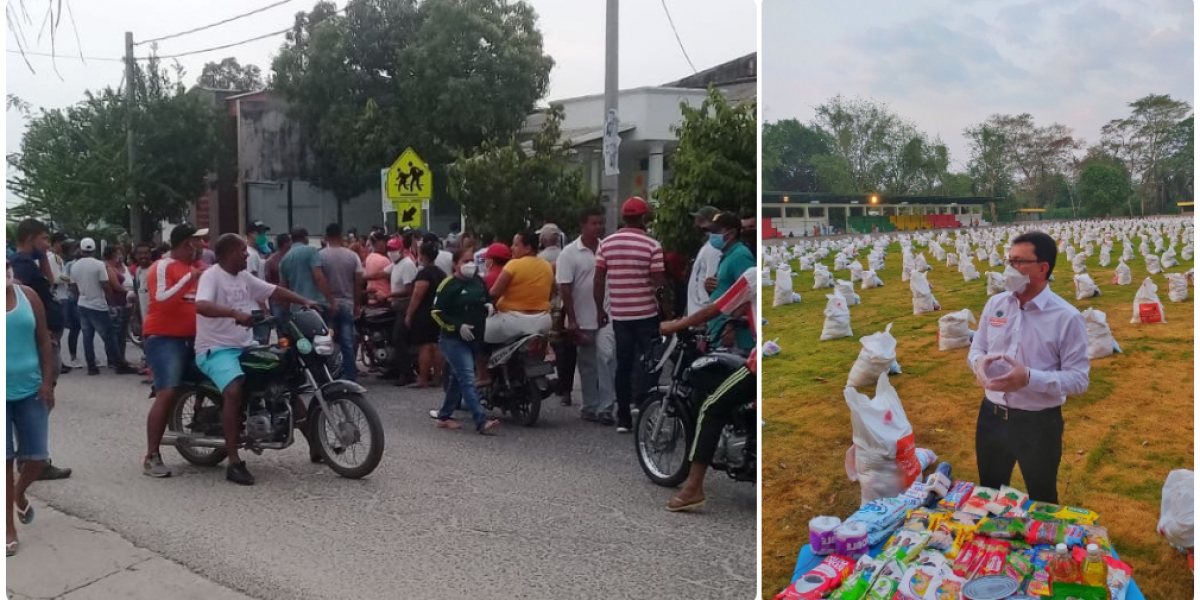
[211, 25]
[231, 45]
[676, 32]
[48, 55]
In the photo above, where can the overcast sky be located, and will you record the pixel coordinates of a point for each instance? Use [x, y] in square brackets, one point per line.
[713, 31]
[947, 64]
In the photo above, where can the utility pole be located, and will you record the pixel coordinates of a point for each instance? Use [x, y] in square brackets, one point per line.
[609, 187]
[135, 211]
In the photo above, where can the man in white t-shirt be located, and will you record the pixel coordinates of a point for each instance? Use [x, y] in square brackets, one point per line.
[705, 266]
[594, 346]
[404, 274]
[226, 296]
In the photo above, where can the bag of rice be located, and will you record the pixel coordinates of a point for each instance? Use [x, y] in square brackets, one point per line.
[951, 259]
[1146, 306]
[995, 283]
[1177, 287]
[1100, 338]
[783, 288]
[1079, 263]
[870, 280]
[1085, 288]
[837, 318]
[1123, 275]
[856, 271]
[876, 357]
[968, 272]
[954, 330]
[923, 300]
[846, 289]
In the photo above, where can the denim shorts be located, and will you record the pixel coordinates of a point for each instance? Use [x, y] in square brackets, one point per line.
[28, 429]
[222, 365]
[167, 357]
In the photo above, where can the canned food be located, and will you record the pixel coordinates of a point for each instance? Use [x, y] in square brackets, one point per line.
[992, 587]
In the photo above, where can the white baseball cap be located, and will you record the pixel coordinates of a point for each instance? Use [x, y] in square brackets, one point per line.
[87, 245]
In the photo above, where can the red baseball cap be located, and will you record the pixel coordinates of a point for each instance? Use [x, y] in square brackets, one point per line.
[634, 207]
[394, 244]
[498, 250]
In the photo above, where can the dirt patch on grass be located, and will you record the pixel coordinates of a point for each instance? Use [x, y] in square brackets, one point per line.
[1122, 437]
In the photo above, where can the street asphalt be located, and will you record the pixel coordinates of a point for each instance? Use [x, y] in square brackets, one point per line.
[558, 510]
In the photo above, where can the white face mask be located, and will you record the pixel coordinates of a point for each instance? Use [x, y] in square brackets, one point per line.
[394, 256]
[468, 270]
[1014, 280]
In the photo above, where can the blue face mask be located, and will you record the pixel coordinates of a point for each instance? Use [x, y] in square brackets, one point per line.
[717, 240]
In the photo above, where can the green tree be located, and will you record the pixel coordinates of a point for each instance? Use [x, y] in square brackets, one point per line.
[231, 75]
[989, 161]
[72, 165]
[1142, 140]
[716, 164]
[787, 156]
[504, 188]
[1103, 190]
[442, 76]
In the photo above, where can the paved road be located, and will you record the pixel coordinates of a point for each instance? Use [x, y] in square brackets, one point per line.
[559, 510]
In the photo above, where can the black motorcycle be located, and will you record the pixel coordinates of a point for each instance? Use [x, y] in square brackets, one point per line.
[520, 378]
[666, 422]
[342, 425]
[374, 328]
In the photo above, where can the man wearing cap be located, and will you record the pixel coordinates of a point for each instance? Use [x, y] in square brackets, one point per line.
[402, 279]
[168, 328]
[301, 271]
[629, 269]
[90, 278]
[705, 266]
[283, 243]
[550, 238]
[724, 234]
[494, 258]
[256, 244]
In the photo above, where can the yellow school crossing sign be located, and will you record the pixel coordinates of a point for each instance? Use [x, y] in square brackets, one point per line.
[409, 178]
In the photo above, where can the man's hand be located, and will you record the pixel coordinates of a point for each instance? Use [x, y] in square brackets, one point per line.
[1012, 381]
[491, 309]
[670, 327]
[243, 319]
[465, 332]
[978, 368]
[408, 321]
[46, 393]
[602, 318]
[710, 284]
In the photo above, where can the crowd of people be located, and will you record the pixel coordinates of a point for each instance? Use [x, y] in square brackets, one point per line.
[600, 299]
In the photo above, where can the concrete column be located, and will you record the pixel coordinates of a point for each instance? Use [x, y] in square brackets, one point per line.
[595, 162]
[655, 176]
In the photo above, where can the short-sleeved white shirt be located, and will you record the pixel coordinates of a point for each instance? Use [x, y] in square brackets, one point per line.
[403, 273]
[576, 267]
[243, 292]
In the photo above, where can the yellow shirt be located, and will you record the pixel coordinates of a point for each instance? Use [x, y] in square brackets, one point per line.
[529, 290]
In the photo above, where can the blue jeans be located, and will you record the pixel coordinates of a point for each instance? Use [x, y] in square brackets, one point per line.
[460, 385]
[28, 429]
[342, 322]
[93, 322]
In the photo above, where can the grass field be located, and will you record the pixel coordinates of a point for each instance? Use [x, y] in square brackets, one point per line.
[1122, 437]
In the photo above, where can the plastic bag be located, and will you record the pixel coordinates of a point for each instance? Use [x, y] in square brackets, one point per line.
[1079, 263]
[771, 348]
[837, 318]
[876, 357]
[1146, 306]
[1152, 265]
[846, 289]
[1105, 257]
[1177, 287]
[856, 271]
[870, 280]
[995, 283]
[1176, 518]
[1085, 288]
[1168, 259]
[1100, 338]
[968, 271]
[821, 277]
[783, 288]
[951, 259]
[923, 300]
[884, 452]
[954, 330]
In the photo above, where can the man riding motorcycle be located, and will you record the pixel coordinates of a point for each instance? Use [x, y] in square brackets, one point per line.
[732, 393]
[226, 295]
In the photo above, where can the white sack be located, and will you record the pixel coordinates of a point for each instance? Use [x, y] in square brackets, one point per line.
[954, 330]
[837, 318]
[876, 357]
[1146, 306]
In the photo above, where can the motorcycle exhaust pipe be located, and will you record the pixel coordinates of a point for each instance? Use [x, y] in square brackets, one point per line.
[175, 439]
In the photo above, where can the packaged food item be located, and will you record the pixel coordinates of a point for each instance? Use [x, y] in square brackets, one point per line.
[883, 588]
[1010, 497]
[990, 588]
[855, 586]
[1041, 532]
[1044, 511]
[1019, 567]
[1119, 575]
[948, 588]
[905, 545]
[1038, 584]
[850, 538]
[931, 558]
[1042, 555]
[994, 559]
[1072, 535]
[1014, 512]
[917, 580]
[820, 534]
[946, 539]
[818, 582]
[969, 557]
[919, 519]
[1095, 534]
[1078, 591]
[881, 516]
[891, 569]
[965, 519]
[981, 501]
[1001, 528]
[959, 492]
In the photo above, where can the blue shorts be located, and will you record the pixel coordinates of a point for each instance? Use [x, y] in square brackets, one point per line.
[222, 365]
[167, 358]
[28, 429]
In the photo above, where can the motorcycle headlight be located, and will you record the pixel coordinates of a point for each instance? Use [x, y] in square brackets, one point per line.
[323, 344]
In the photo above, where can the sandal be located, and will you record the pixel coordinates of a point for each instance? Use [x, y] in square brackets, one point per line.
[675, 505]
[487, 428]
[10, 548]
[25, 515]
[448, 424]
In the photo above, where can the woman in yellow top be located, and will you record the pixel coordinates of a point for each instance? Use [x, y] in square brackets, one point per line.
[522, 294]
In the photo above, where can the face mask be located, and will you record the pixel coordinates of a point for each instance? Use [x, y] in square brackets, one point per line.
[716, 240]
[394, 256]
[468, 270]
[1014, 280]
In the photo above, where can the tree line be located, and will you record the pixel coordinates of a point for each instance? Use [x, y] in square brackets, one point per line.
[1142, 164]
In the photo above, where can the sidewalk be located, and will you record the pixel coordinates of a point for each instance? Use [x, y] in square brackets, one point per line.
[65, 558]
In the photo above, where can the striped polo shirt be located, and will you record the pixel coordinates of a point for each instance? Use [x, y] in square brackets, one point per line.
[630, 256]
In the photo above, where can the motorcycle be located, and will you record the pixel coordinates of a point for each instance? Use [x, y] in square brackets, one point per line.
[343, 428]
[519, 378]
[374, 328]
[666, 421]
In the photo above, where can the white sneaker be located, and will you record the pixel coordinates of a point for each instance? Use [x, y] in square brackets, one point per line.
[623, 430]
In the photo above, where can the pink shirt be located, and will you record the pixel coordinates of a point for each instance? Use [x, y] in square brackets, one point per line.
[629, 257]
[376, 263]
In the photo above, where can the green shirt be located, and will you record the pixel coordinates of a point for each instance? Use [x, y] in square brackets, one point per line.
[296, 271]
[461, 302]
[734, 261]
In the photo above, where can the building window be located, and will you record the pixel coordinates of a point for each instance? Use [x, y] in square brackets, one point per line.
[795, 212]
[816, 211]
[772, 212]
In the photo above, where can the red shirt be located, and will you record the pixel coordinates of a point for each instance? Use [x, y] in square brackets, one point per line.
[172, 305]
[630, 257]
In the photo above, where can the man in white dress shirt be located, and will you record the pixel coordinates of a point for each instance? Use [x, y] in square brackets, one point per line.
[1029, 354]
[705, 266]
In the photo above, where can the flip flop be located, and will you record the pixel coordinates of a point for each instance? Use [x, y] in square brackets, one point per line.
[25, 515]
[488, 427]
[691, 506]
[448, 424]
[10, 548]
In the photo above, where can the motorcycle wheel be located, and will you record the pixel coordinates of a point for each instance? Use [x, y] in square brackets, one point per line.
[335, 364]
[187, 402]
[526, 413]
[675, 434]
[356, 417]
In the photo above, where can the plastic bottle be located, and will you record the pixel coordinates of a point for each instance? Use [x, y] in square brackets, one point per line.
[1095, 572]
[937, 485]
[1062, 567]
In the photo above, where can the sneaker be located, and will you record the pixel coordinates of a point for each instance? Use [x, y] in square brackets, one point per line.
[566, 400]
[65, 369]
[607, 420]
[238, 474]
[589, 416]
[624, 428]
[154, 467]
[93, 370]
[52, 472]
[126, 370]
